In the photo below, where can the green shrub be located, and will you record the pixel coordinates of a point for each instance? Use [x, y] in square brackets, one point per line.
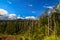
[52, 37]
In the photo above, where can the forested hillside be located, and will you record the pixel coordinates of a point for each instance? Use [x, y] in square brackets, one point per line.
[45, 27]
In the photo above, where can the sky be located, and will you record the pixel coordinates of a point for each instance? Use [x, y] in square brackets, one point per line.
[26, 8]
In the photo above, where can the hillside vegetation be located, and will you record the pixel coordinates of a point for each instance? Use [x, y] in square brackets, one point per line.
[46, 27]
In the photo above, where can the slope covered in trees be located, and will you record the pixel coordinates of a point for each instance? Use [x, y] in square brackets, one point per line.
[46, 27]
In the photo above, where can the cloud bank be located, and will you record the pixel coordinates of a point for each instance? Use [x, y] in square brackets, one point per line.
[30, 17]
[4, 15]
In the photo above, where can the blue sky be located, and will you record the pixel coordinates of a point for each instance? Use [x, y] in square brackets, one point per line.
[26, 7]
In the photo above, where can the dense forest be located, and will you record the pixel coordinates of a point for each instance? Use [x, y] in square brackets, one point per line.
[45, 27]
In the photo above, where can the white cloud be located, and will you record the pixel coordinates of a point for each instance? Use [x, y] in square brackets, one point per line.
[27, 17]
[30, 5]
[20, 17]
[33, 11]
[30, 17]
[50, 7]
[4, 15]
[12, 16]
[3, 12]
[9, 2]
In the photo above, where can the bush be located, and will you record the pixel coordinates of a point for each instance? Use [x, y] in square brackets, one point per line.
[52, 37]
